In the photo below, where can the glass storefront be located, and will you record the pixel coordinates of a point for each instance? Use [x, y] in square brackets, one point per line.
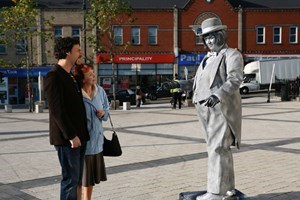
[190, 61]
[127, 76]
[15, 88]
[191, 71]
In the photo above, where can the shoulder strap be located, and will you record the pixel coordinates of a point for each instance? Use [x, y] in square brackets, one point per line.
[112, 127]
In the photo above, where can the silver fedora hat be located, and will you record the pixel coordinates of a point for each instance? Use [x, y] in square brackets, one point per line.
[211, 25]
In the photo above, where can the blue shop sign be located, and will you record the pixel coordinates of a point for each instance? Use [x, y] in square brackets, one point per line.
[190, 59]
[22, 72]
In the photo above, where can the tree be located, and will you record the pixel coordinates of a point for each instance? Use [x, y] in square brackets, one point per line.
[19, 25]
[104, 15]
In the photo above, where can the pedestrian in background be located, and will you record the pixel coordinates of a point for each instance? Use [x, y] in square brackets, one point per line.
[176, 94]
[97, 110]
[218, 104]
[68, 125]
[138, 96]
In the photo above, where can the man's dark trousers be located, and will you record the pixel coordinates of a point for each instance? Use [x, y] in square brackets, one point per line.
[71, 161]
[177, 98]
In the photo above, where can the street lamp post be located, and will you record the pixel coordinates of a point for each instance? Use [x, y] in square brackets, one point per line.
[29, 63]
[197, 30]
[29, 59]
[84, 28]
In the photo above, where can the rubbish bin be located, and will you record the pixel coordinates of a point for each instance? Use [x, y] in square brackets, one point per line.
[284, 91]
[126, 105]
[39, 105]
[8, 108]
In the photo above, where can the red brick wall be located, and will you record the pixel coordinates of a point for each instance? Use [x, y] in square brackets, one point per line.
[229, 16]
[219, 7]
[268, 19]
[164, 22]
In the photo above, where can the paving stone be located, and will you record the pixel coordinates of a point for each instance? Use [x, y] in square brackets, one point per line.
[164, 154]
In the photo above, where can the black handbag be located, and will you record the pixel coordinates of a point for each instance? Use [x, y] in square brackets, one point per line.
[112, 147]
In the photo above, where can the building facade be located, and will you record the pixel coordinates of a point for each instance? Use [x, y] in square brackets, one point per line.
[65, 20]
[163, 40]
[260, 30]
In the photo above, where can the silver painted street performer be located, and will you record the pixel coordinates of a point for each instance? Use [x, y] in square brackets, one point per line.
[218, 104]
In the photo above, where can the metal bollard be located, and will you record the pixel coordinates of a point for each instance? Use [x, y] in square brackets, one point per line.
[8, 108]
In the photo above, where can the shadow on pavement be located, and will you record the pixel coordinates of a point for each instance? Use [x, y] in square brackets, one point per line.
[278, 196]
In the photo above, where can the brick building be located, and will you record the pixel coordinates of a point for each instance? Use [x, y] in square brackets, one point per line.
[67, 20]
[162, 38]
[259, 29]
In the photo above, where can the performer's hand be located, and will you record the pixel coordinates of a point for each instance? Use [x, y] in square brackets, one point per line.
[211, 101]
[75, 142]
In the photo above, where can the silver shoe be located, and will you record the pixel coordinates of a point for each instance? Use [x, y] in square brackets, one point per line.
[210, 196]
[230, 195]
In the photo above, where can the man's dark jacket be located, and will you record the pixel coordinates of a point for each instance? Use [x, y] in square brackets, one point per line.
[66, 108]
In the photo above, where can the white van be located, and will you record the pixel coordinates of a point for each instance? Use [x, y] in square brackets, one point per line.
[249, 84]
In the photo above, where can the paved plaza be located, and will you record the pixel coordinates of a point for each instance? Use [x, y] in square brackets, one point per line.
[164, 154]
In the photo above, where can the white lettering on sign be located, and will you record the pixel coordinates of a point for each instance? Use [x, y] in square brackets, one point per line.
[12, 72]
[135, 59]
[182, 56]
[188, 57]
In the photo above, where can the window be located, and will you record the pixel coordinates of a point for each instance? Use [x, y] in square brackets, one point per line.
[198, 37]
[293, 34]
[277, 35]
[164, 69]
[198, 30]
[58, 31]
[2, 45]
[126, 69]
[135, 35]
[145, 69]
[260, 35]
[21, 46]
[118, 35]
[76, 32]
[199, 40]
[152, 35]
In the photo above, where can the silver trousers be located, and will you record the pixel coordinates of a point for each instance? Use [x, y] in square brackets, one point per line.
[218, 136]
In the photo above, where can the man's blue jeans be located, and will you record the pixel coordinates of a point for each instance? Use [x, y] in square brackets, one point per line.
[71, 161]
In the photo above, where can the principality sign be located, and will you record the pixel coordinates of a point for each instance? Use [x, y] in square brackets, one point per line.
[140, 58]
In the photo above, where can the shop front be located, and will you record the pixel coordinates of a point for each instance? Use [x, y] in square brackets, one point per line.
[14, 88]
[188, 64]
[148, 71]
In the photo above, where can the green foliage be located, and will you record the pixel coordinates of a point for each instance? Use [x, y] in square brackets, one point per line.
[18, 24]
[5, 64]
[18, 21]
[103, 14]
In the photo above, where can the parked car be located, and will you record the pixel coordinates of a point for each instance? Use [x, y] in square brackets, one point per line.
[249, 84]
[158, 93]
[125, 95]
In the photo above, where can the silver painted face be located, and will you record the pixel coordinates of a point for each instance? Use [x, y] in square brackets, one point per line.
[211, 42]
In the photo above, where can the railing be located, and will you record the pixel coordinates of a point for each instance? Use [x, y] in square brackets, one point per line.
[287, 89]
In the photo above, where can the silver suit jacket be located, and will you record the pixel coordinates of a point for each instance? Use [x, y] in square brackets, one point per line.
[223, 76]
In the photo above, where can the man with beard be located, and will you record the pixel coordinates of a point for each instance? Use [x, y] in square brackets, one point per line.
[68, 124]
